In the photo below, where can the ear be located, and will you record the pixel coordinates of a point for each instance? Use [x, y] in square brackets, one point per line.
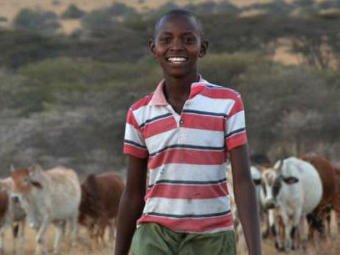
[290, 180]
[36, 184]
[204, 48]
[152, 46]
[279, 167]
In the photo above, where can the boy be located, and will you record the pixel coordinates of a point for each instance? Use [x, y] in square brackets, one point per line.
[182, 133]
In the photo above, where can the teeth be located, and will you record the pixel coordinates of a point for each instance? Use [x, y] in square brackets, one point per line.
[177, 59]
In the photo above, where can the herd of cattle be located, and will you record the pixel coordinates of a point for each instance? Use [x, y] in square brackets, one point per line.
[56, 196]
[295, 198]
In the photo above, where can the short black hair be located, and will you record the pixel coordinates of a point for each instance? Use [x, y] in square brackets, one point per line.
[178, 12]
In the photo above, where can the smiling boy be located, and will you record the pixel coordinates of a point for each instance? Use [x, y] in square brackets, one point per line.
[182, 135]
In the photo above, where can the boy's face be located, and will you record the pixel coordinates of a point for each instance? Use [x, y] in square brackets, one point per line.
[177, 45]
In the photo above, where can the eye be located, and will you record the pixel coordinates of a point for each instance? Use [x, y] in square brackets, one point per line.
[189, 40]
[257, 181]
[165, 39]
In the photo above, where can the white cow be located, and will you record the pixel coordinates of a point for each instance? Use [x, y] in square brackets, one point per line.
[51, 196]
[297, 191]
[11, 215]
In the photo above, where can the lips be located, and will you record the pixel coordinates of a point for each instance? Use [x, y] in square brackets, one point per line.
[177, 59]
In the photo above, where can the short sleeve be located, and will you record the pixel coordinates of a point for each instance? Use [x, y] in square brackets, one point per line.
[235, 133]
[134, 142]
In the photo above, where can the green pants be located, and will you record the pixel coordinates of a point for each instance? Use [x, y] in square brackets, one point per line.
[154, 239]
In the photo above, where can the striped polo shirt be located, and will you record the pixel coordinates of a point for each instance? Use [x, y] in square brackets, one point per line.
[187, 155]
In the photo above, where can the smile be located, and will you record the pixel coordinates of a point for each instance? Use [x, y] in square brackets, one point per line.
[177, 60]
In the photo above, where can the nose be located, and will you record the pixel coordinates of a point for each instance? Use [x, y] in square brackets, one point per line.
[176, 44]
[269, 204]
[15, 197]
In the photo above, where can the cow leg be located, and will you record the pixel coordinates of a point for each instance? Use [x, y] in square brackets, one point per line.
[74, 230]
[59, 236]
[288, 230]
[2, 236]
[21, 235]
[41, 248]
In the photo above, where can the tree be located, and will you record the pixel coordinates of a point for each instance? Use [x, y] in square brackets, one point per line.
[41, 22]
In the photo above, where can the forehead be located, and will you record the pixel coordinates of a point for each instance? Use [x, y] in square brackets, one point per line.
[177, 23]
[20, 173]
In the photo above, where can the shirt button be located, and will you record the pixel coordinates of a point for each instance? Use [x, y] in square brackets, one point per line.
[181, 122]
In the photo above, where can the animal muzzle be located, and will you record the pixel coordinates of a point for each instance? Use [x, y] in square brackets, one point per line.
[269, 204]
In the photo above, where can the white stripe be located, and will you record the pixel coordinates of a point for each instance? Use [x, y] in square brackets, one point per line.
[197, 137]
[187, 172]
[133, 134]
[235, 122]
[147, 112]
[207, 104]
[187, 206]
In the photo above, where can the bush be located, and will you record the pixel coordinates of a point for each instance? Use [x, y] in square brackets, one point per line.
[44, 23]
[22, 47]
[73, 12]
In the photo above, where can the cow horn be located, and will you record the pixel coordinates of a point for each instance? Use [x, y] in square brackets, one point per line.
[37, 167]
[12, 168]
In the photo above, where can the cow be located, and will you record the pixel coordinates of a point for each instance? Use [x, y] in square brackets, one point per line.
[11, 215]
[296, 191]
[51, 196]
[100, 195]
[328, 179]
[336, 201]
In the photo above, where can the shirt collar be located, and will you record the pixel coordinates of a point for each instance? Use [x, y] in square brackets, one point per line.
[158, 97]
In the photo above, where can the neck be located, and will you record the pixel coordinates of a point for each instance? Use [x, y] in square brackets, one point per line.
[179, 88]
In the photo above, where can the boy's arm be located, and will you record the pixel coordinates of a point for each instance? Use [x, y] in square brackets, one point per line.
[245, 198]
[131, 204]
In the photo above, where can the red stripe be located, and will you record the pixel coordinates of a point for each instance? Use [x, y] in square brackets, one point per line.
[188, 191]
[196, 89]
[187, 156]
[236, 140]
[238, 107]
[191, 225]
[131, 120]
[135, 151]
[142, 102]
[220, 93]
[158, 127]
[203, 122]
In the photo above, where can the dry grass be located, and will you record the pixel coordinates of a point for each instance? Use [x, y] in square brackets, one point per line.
[85, 246]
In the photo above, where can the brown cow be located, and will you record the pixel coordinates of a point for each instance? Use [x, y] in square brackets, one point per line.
[11, 215]
[99, 203]
[327, 175]
[336, 203]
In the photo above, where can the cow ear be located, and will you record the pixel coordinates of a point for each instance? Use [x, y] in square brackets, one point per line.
[36, 168]
[278, 167]
[36, 184]
[290, 180]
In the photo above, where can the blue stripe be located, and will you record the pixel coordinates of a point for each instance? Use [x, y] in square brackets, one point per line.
[134, 143]
[206, 113]
[155, 118]
[187, 215]
[187, 146]
[234, 132]
[188, 182]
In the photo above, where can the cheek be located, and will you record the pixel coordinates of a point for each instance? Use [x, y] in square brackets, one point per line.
[21, 188]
